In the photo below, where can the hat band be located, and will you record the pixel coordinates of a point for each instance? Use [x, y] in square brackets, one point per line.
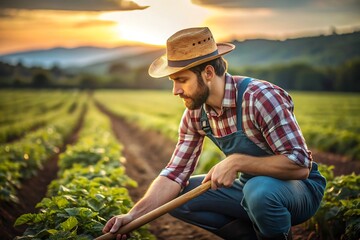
[183, 63]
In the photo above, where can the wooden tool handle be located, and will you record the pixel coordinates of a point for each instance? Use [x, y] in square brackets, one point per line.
[158, 212]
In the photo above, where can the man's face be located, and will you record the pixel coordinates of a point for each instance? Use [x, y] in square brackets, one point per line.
[190, 88]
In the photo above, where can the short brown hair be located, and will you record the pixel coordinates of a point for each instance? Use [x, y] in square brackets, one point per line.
[219, 64]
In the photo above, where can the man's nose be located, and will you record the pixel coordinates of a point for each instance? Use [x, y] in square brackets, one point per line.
[177, 89]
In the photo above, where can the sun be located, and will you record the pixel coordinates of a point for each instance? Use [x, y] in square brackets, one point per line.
[156, 23]
[147, 36]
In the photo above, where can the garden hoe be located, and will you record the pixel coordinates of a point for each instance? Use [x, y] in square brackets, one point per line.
[150, 216]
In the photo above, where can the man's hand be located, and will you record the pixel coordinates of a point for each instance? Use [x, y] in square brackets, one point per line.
[222, 174]
[114, 224]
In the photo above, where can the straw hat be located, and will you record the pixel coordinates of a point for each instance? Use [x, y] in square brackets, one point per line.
[188, 48]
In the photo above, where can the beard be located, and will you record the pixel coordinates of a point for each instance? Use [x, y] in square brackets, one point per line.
[197, 99]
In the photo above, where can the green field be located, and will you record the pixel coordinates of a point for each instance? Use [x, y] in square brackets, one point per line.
[330, 121]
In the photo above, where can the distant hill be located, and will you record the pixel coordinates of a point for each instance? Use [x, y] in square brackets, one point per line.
[329, 50]
[70, 57]
[132, 61]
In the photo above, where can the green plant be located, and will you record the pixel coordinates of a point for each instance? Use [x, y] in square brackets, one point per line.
[338, 215]
[78, 210]
[91, 188]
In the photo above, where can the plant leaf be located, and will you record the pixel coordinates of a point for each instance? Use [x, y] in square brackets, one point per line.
[69, 224]
[25, 218]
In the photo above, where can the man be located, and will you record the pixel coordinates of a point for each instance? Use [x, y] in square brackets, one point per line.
[252, 122]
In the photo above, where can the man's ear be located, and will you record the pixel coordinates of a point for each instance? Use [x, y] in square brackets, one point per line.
[209, 72]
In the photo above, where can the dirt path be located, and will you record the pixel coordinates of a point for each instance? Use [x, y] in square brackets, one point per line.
[343, 165]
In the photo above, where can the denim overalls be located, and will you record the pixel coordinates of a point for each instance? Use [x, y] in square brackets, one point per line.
[270, 204]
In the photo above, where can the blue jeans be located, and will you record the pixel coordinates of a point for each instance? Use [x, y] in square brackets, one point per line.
[271, 204]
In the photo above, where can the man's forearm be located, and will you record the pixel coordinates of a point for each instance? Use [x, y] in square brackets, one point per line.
[277, 166]
[161, 191]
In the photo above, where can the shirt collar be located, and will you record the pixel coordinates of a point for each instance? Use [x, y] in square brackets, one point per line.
[229, 100]
[230, 92]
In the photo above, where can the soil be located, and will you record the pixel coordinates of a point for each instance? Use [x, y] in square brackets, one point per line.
[147, 152]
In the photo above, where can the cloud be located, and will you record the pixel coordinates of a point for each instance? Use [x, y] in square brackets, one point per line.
[280, 4]
[5, 14]
[72, 5]
[251, 3]
[10, 14]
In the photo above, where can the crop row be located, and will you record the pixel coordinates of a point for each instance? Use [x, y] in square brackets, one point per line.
[21, 104]
[90, 189]
[22, 159]
[157, 110]
[19, 124]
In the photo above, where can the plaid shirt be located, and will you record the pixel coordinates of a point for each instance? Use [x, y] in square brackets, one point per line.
[268, 121]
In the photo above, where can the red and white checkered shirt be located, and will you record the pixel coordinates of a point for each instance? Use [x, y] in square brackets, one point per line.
[268, 121]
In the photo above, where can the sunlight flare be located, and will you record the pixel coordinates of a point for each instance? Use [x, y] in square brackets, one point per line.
[156, 23]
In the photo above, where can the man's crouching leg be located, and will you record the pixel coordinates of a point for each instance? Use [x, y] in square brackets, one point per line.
[274, 205]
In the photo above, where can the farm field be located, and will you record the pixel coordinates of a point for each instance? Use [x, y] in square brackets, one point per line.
[140, 129]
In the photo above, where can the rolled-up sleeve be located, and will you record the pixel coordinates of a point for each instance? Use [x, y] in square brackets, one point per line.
[273, 113]
[187, 150]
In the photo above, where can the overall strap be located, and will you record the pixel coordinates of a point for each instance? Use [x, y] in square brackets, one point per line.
[205, 125]
[241, 89]
[204, 121]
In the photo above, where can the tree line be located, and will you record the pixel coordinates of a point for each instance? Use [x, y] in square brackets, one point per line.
[292, 76]
[306, 77]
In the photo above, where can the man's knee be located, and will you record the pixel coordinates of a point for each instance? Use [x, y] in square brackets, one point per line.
[259, 194]
[264, 207]
[180, 212]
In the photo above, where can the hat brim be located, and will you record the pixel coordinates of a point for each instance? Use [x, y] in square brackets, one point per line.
[159, 68]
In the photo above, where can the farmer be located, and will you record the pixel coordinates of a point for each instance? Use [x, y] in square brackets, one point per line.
[266, 183]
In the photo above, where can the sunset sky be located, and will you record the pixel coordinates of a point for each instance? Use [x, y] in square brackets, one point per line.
[41, 24]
